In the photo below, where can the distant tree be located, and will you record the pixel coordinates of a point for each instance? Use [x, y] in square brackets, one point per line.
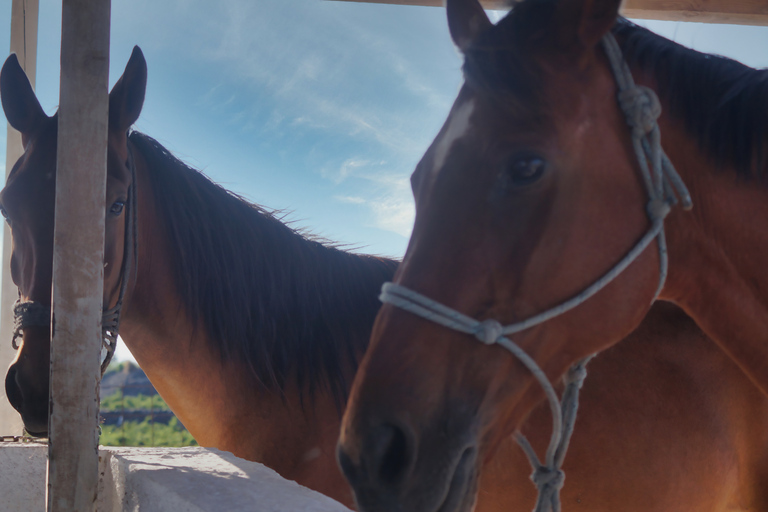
[143, 432]
[117, 402]
[146, 433]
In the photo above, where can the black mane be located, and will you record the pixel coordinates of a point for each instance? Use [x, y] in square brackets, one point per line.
[292, 308]
[723, 103]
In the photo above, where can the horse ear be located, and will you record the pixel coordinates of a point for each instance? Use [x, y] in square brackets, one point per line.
[127, 96]
[587, 21]
[466, 20]
[20, 104]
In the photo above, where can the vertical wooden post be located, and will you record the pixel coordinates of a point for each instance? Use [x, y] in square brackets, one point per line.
[24, 45]
[78, 256]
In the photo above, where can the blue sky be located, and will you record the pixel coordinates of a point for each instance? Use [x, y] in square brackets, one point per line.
[316, 107]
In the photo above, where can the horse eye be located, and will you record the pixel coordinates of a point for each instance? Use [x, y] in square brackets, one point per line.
[117, 208]
[5, 215]
[524, 171]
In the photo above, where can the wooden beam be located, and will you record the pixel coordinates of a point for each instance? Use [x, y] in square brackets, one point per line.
[78, 256]
[743, 12]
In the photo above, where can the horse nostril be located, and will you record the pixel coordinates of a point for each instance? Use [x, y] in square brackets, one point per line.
[390, 453]
[348, 467]
[12, 390]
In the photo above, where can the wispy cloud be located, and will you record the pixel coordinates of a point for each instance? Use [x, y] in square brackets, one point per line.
[306, 74]
[333, 89]
[384, 193]
[353, 167]
[393, 213]
[350, 199]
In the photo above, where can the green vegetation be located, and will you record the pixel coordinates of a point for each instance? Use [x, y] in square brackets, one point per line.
[144, 432]
[118, 402]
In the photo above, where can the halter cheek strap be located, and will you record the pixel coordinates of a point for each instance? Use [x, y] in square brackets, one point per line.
[664, 186]
[36, 314]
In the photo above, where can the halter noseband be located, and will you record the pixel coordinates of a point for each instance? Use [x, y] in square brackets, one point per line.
[664, 186]
[36, 314]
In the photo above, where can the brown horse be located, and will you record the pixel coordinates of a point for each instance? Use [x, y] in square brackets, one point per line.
[250, 331]
[534, 190]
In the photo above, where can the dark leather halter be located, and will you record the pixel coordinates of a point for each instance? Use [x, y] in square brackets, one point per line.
[36, 314]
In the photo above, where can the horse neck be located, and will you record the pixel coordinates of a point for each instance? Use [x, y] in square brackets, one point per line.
[717, 253]
[219, 401]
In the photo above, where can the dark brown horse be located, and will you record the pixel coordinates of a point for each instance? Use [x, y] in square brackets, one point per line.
[534, 190]
[250, 331]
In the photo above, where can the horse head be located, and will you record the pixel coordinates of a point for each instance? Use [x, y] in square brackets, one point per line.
[28, 203]
[534, 157]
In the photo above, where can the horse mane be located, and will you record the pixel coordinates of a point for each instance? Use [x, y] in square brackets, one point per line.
[723, 103]
[291, 307]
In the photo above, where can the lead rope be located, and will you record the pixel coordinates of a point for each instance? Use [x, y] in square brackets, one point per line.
[664, 186]
[547, 476]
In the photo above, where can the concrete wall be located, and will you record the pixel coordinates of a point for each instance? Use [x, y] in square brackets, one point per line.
[161, 480]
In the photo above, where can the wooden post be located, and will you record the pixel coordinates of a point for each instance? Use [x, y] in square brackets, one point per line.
[78, 247]
[24, 45]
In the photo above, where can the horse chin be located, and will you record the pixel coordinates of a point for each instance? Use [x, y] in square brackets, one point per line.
[32, 407]
[424, 491]
[462, 490]
[31, 433]
[35, 425]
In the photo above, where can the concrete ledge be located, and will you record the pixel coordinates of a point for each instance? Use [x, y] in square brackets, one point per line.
[162, 479]
[22, 477]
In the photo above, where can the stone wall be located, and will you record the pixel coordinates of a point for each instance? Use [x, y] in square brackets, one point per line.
[160, 480]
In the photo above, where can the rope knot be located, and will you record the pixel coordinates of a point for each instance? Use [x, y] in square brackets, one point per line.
[576, 375]
[488, 331]
[658, 208]
[548, 479]
[641, 107]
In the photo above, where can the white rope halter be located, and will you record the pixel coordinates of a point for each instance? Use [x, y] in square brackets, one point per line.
[642, 108]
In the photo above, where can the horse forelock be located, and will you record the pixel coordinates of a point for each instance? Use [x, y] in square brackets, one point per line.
[291, 307]
[500, 62]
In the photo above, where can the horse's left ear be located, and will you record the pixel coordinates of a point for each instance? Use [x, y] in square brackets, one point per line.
[466, 20]
[22, 109]
[127, 96]
[586, 21]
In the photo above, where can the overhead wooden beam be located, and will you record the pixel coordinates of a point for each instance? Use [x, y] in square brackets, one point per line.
[743, 12]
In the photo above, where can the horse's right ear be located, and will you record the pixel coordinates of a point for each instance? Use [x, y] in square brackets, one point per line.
[20, 104]
[466, 20]
[127, 96]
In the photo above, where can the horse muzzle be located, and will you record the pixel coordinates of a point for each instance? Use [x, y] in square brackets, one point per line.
[31, 403]
[396, 471]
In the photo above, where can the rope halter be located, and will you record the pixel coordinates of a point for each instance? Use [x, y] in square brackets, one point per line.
[36, 314]
[664, 186]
